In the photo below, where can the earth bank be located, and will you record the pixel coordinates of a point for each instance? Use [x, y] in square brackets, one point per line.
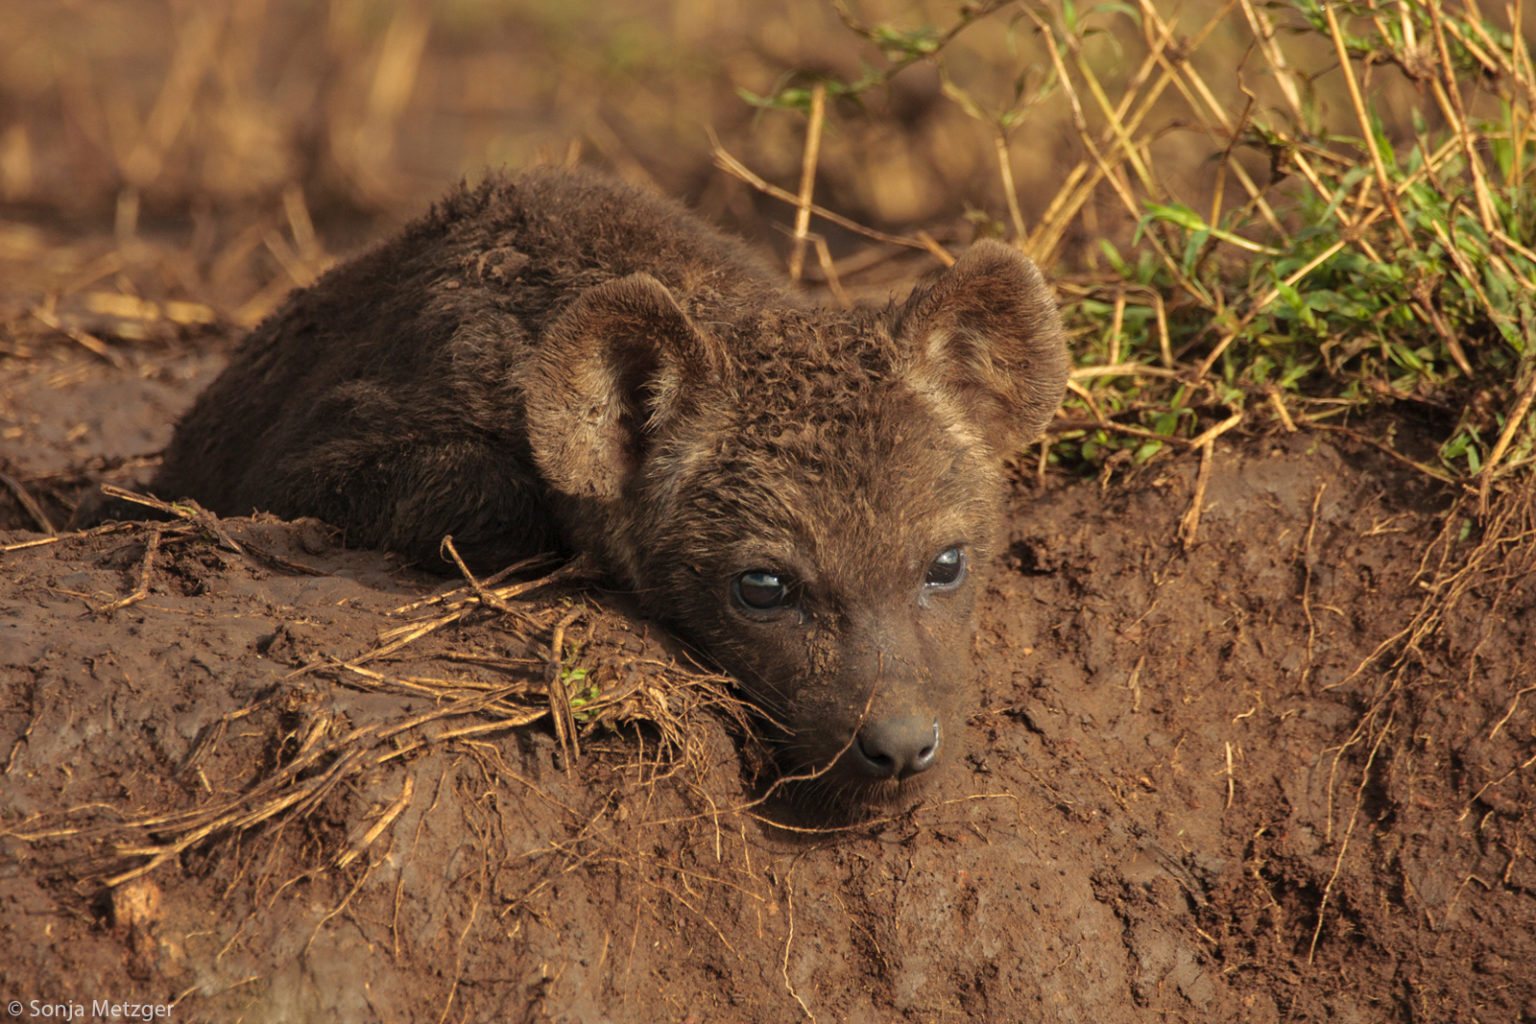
[1272, 768]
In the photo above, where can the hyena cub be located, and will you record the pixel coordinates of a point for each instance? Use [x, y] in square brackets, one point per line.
[555, 360]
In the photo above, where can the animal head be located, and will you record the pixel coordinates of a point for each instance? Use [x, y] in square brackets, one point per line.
[807, 494]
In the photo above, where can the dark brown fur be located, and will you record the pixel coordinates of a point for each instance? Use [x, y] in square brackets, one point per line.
[555, 360]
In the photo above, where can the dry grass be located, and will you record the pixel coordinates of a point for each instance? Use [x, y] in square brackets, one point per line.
[1357, 229]
[587, 685]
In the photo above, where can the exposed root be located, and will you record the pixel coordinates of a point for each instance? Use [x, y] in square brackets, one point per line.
[1189, 525]
[1306, 584]
[1449, 571]
[146, 565]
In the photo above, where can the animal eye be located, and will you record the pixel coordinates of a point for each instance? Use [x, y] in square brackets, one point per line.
[760, 590]
[947, 570]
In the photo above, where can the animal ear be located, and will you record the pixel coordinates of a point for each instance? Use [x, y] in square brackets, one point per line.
[609, 373]
[986, 336]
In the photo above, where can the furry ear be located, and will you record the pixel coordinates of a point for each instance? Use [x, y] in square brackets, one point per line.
[986, 336]
[610, 372]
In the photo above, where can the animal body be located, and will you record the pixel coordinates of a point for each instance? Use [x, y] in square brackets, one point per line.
[553, 360]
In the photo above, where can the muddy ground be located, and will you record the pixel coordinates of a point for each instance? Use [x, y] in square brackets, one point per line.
[1278, 771]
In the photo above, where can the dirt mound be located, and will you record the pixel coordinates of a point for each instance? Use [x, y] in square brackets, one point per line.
[1280, 770]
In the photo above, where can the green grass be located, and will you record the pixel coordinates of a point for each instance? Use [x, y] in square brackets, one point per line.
[1360, 231]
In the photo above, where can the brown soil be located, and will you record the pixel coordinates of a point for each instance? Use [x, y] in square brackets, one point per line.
[1280, 773]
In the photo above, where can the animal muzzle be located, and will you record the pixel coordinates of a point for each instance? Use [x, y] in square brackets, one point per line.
[896, 748]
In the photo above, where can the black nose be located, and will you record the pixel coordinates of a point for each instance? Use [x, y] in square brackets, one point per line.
[894, 748]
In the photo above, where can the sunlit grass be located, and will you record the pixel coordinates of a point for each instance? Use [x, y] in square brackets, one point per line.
[1359, 232]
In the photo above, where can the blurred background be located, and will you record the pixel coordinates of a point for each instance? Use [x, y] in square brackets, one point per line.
[146, 115]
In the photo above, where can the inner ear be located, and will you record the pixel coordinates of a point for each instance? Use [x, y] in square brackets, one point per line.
[986, 336]
[609, 374]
